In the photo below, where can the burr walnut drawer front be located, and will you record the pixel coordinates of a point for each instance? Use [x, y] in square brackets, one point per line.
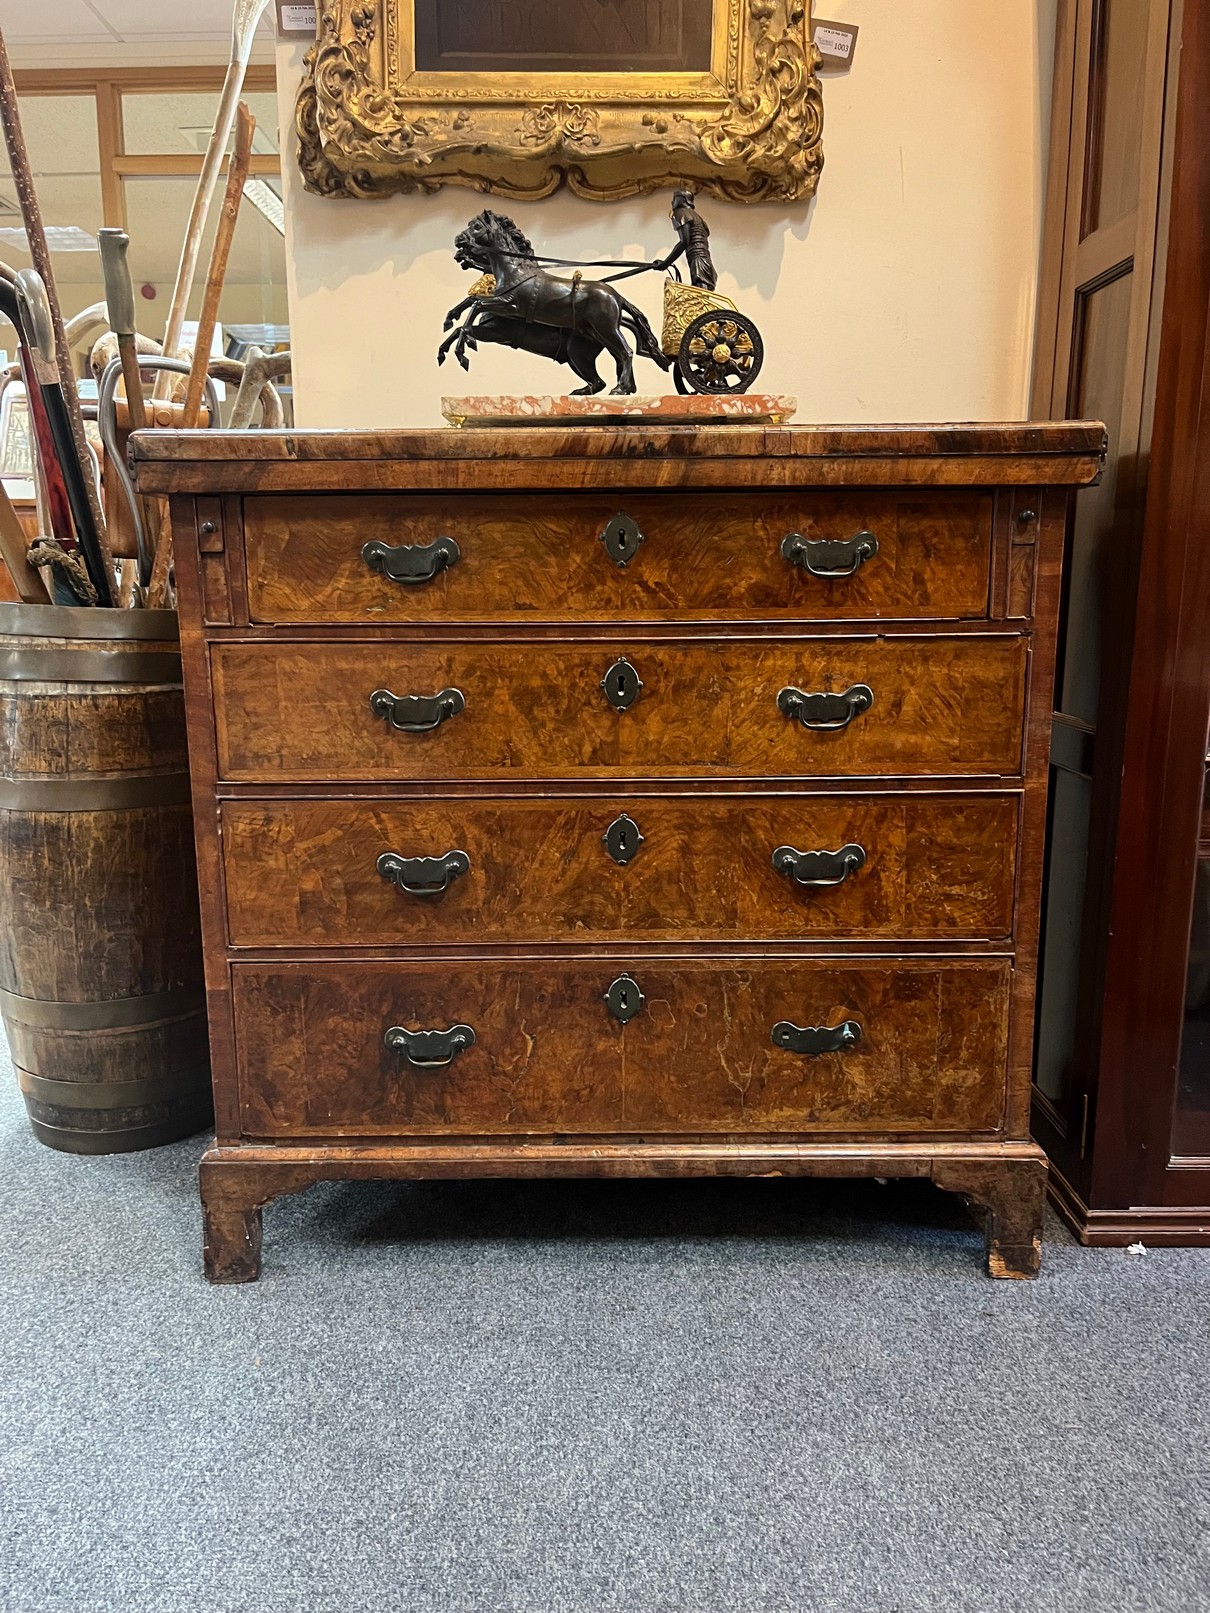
[432, 872]
[777, 707]
[584, 1046]
[724, 555]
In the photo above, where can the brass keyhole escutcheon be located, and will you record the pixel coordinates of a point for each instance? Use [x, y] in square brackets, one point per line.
[623, 839]
[624, 999]
[621, 538]
[621, 685]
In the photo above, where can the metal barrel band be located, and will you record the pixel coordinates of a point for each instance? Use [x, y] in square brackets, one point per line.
[68, 1140]
[119, 1012]
[23, 665]
[95, 794]
[66, 621]
[179, 1089]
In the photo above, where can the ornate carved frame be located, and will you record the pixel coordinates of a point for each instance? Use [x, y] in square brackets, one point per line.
[749, 130]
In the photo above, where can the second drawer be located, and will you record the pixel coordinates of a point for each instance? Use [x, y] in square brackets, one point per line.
[303, 873]
[776, 706]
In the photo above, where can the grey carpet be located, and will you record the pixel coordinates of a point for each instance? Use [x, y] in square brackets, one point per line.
[647, 1397]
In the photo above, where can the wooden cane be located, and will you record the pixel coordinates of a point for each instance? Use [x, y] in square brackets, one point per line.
[34, 323]
[237, 175]
[244, 23]
[31, 214]
[119, 299]
[119, 303]
[159, 592]
[68, 580]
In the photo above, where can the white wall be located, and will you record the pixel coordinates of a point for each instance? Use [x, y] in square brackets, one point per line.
[903, 291]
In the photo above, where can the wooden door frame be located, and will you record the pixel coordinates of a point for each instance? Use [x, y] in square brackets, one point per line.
[1075, 264]
[1168, 712]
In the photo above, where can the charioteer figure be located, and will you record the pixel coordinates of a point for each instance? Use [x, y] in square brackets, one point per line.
[694, 234]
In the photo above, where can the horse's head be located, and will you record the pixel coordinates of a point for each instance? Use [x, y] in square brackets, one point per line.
[486, 237]
[468, 252]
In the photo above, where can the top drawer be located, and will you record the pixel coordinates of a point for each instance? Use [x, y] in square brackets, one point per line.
[569, 557]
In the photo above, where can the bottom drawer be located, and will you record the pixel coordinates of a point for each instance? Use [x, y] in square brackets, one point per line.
[925, 1048]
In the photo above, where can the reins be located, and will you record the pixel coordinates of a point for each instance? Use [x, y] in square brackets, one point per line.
[628, 265]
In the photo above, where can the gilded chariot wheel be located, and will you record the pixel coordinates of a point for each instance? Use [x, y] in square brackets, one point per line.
[721, 351]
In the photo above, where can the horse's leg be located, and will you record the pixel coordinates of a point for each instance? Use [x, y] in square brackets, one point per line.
[618, 349]
[475, 328]
[483, 308]
[447, 344]
[582, 355]
[457, 312]
[511, 332]
[601, 320]
[457, 336]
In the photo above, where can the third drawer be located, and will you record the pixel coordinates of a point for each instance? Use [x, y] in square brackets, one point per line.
[910, 866]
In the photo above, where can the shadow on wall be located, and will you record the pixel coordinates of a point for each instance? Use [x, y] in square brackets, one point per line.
[405, 233]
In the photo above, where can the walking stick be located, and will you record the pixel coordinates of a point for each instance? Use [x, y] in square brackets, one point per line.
[119, 299]
[35, 321]
[31, 214]
[248, 14]
[241, 157]
[69, 581]
[119, 305]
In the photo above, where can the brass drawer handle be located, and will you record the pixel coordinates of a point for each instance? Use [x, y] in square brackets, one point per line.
[411, 562]
[812, 1040]
[818, 870]
[430, 1050]
[417, 713]
[825, 712]
[829, 557]
[423, 876]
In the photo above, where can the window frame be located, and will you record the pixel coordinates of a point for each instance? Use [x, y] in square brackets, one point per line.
[107, 86]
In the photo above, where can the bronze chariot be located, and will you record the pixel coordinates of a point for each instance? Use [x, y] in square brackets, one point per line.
[710, 345]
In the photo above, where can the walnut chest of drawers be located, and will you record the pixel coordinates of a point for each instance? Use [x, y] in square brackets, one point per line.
[620, 802]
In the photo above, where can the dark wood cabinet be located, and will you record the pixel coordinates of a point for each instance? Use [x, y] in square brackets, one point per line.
[1122, 1096]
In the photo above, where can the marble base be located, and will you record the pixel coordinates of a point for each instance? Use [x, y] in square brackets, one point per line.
[741, 409]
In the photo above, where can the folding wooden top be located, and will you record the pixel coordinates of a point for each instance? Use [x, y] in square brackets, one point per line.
[1068, 453]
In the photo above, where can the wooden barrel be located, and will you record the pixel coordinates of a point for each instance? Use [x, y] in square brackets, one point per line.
[101, 967]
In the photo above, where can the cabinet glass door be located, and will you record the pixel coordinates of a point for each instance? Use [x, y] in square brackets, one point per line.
[1191, 1122]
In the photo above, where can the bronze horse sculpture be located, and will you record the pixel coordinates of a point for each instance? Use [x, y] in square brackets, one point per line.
[571, 320]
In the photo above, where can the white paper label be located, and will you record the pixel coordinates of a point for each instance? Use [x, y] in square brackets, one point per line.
[295, 19]
[835, 41]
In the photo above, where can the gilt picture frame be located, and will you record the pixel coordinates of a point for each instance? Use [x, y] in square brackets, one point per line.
[613, 98]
